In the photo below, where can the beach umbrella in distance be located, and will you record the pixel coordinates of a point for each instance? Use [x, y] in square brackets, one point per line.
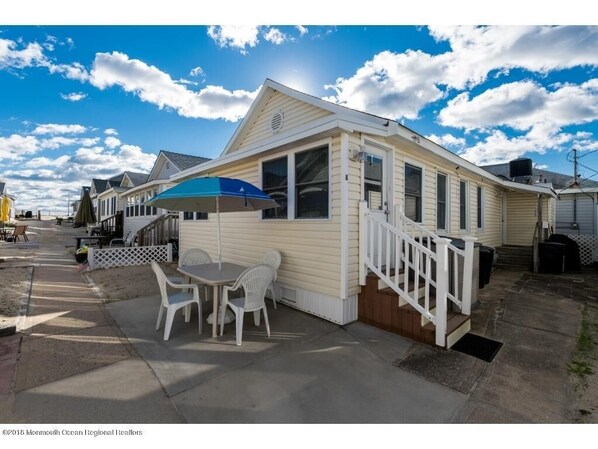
[214, 195]
[85, 212]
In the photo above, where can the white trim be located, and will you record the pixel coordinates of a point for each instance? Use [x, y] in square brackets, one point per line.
[290, 155]
[147, 185]
[344, 181]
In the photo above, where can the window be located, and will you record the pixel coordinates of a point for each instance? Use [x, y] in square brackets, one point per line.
[136, 207]
[299, 182]
[463, 206]
[372, 182]
[413, 193]
[195, 215]
[480, 207]
[113, 205]
[441, 201]
[141, 206]
[275, 184]
[311, 183]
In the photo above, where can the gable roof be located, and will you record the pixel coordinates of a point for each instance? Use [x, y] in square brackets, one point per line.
[341, 119]
[136, 178]
[184, 161]
[98, 185]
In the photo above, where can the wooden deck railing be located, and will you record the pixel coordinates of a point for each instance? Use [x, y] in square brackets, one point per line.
[161, 231]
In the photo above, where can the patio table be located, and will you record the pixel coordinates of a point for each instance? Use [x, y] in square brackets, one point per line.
[209, 274]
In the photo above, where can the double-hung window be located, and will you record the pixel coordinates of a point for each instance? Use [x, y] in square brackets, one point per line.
[308, 196]
[195, 215]
[480, 207]
[441, 201]
[463, 205]
[311, 183]
[275, 184]
[413, 193]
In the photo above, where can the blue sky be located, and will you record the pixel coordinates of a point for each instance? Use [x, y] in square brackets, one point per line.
[90, 101]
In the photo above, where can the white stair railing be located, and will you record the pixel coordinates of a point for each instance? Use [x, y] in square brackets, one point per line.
[409, 249]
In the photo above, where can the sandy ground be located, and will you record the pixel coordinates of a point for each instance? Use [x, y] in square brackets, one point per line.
[128, 282]
[14, 284]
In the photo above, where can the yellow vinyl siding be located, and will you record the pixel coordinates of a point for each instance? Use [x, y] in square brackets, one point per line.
[296, 113]
[310, 248]
[521, 218]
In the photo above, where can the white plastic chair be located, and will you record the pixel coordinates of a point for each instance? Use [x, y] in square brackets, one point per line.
[128, 240]
[255, 281]
[273, 258]
[174, 302]
[193, 256]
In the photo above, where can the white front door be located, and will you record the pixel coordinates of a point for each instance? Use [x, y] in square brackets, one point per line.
[375, 190]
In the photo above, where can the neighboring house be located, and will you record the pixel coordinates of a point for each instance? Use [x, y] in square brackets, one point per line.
[167, 164]
[7, 212]
[320, 161]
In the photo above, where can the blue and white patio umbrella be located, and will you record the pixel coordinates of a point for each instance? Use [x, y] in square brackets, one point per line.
[213, 195]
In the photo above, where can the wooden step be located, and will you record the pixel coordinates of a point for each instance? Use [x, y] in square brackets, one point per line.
[457, 325]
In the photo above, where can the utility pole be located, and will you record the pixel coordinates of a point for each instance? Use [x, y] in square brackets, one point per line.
[575, 166]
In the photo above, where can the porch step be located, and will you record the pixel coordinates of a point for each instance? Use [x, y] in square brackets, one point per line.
[383, 308]
[515, 256]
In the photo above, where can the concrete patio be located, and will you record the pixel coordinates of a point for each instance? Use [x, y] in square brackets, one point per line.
[309, 371]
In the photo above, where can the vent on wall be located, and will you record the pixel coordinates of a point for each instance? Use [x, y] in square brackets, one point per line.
[276, 121]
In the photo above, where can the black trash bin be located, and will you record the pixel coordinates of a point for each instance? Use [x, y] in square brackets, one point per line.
[572, 257]
[552, 257]
[486, 258]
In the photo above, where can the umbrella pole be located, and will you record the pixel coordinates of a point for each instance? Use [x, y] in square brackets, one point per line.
[218, 216]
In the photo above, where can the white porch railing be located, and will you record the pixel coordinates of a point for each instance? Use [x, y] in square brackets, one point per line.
[418, 255]
[127, 256]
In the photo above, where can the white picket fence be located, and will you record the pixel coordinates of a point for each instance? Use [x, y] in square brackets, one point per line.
[127, 256]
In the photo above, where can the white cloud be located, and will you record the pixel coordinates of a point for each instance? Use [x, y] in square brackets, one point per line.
[53, 128]
[541, 166]
[238, 37]
[15, 146]
[302, 30]
[197, 71]
[447, 140]
[400, 84]
[38, 162]
[29, 56]
[111, 142]
[73, 96]
[110, 132]
[275, 36]
[498, 147]
[522, 105]
[154, 86]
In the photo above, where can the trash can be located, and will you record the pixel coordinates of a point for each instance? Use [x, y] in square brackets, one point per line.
[572, 257]
[552, 257]
[486, 260]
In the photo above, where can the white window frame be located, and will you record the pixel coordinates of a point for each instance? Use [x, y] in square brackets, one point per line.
[447, 215]
[290, 154]
[420, 165]
[481, 199]
[467, 205]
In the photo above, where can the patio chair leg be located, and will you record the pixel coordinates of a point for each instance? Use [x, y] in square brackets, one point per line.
[199, 313]
[169, 319]
[274, 294]
[160, 312]
[187, 313]
[265, 309]
[256, 318]
[239, 322]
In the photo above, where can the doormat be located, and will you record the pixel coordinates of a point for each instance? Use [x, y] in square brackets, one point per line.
[479, 347]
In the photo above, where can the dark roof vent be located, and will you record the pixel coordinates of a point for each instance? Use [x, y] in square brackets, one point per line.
[521, 167]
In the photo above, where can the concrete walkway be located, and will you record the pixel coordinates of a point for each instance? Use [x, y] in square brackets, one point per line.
[74, 365]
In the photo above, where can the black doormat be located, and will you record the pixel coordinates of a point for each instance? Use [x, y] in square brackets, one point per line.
[479, 347]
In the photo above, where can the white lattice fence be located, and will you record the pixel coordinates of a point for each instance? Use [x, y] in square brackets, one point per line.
[588, 248]
[124, 257]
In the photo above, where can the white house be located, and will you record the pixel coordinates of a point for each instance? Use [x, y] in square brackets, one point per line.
[168, 163]
[354, 190]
